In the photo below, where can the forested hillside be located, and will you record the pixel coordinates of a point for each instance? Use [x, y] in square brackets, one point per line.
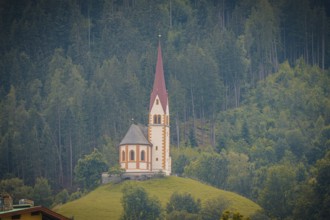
[248, 82]
[273, 147]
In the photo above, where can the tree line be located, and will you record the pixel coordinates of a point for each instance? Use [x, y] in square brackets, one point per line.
[275, 147]
[137, 204]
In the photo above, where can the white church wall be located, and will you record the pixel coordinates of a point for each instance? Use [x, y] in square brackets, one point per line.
[131, 165]
[138, 164]
[157, 135]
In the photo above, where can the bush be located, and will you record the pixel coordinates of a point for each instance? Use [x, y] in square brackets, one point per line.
[138, 205]
[183, 202]
[213, 208]
[62, 197]
[182, 215]
[76, 195]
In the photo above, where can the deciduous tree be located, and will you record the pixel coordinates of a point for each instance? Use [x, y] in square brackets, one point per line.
[138, 205]
[183, 202]
[278, 187]
[88, 170]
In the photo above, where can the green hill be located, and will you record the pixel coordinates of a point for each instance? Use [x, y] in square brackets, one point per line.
[105, 201]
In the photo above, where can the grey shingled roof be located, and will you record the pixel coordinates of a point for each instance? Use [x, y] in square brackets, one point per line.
[135, 135]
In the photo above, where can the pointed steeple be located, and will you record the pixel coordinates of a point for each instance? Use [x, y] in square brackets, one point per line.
[159, 87]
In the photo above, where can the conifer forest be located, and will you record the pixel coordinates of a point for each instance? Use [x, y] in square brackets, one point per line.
[248, 84]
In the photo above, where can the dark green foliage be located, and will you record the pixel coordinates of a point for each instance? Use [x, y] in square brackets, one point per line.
[228, 215]
[110, 152]
[192, 138]
[183, 202]
[240, 173]
[138, 205]
[88, 170]
[213, 208]
[245, 132]
[313, 197]
[62, 197]
[116, 170]
[296, 141]
[42, 193]
[76, 195]
[260, 215]
[306, 202]
[16, 189]
[262, 34]
[182, 215]
[179, 164]
[322, 188]
[227, 170]
[210, 168]
[279, 185]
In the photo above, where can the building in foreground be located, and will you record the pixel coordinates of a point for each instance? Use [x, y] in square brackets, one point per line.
[31, 213]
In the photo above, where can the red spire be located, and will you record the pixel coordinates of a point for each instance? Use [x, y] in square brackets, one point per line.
[159, 83]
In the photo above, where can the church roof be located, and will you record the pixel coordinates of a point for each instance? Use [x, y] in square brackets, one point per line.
[136, 134]
[159, 87]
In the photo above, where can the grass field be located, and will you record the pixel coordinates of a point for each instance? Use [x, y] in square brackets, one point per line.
[105, 201]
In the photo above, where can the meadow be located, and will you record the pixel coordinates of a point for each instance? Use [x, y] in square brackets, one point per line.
[105, 201]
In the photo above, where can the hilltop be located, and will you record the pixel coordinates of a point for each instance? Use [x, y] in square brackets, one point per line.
[105, 201]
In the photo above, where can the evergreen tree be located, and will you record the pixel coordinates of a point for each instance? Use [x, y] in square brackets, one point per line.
[42, 193]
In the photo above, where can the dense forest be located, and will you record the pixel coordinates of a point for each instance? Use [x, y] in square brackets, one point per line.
[248, 82]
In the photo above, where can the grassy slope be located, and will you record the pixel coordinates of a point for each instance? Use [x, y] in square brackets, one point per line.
[104, 202]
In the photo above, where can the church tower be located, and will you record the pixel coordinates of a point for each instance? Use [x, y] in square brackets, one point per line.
[159, 121]
[146, 150]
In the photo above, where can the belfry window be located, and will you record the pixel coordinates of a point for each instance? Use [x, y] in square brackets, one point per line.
[123, 155]
[143, 155]
[157, 119]
[132, 155]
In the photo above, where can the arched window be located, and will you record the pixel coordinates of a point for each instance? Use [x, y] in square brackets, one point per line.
[143, 155]
[157, 119]
[123, 155]
[156, 147]
[132, 155]
[157, 102]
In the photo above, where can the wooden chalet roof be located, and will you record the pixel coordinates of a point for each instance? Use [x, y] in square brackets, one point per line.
[51, 215]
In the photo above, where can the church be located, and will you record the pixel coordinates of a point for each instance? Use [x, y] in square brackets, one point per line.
[145, 150]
